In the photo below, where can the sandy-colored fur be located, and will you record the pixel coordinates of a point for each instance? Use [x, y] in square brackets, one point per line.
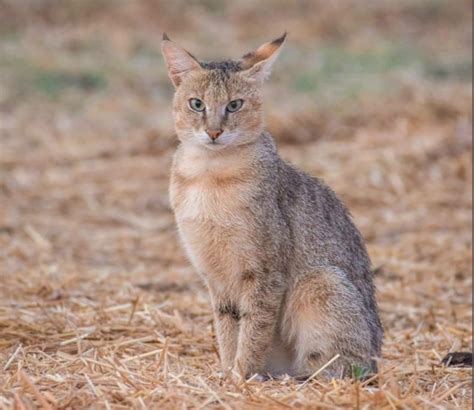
[287, 271]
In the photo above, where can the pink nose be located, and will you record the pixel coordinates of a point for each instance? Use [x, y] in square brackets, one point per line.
[214, 134]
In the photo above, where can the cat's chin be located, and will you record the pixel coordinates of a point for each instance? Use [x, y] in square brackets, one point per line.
[215, 146]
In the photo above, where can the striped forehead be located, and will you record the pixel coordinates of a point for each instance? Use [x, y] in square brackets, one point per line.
[219, 83]
[219, 86]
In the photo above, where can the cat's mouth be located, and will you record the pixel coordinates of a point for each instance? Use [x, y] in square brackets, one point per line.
[223, 141]
[215, 144]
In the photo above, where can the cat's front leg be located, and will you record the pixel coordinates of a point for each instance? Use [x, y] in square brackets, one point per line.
[260, 307]
[226, 319]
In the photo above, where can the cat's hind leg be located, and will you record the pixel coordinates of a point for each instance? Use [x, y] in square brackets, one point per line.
[325, 316]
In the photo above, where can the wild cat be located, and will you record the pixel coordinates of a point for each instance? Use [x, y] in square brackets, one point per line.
[288, 272]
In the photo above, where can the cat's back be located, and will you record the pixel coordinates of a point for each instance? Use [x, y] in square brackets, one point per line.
[321, 225]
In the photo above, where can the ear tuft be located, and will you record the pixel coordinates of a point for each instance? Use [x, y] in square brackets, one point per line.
[178, 61]
[259, 63]
[279, 41]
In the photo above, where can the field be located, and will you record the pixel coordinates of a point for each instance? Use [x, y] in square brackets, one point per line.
[99, 306]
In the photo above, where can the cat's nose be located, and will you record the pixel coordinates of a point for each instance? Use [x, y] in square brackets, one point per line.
[214, 134]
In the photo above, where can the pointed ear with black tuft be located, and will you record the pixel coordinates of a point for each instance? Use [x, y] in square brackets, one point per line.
[258, 64]
[178, 61]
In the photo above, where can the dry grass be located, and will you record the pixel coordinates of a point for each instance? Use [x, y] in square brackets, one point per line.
[98, 304]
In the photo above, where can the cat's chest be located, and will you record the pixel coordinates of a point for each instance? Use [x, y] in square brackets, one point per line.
[220, 202]
[215, 222]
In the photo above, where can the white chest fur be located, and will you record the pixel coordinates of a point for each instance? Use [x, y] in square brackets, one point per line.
[212, 210]
[223, 203]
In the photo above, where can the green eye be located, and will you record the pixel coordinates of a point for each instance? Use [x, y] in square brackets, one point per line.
[196, 104]
[234, 106]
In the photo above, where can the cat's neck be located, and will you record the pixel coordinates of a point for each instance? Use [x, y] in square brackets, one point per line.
[193, 161]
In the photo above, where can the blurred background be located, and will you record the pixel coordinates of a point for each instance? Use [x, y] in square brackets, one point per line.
[375, 97]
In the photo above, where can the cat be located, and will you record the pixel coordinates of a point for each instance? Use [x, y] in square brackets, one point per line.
[287, 270]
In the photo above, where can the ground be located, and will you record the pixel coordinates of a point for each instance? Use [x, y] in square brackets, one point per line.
[99, 306]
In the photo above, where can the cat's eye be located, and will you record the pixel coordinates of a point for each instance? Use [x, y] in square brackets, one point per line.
[197, 105]
[234, 106]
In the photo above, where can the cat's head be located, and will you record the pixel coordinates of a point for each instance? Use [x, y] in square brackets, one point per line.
[219, 104]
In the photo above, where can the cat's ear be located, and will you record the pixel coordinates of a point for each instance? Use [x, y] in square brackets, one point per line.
[178, 60]
[258, 64]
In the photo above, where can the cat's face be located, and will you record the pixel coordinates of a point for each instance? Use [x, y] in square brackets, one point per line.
[218, 105]
[217, 109]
